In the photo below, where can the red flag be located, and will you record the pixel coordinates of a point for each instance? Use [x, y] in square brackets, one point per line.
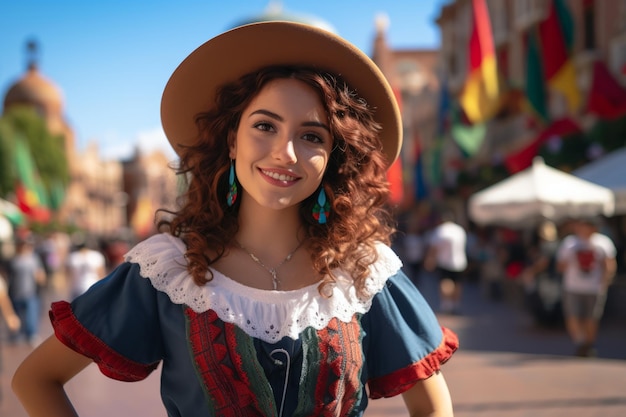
[556, 33]
[523, 158]
[480, 95]
[607, 98]
[29, 189]
[394, 173]
[394, 176]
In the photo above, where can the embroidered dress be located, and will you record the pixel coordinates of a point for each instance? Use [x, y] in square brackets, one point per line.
[230, 350]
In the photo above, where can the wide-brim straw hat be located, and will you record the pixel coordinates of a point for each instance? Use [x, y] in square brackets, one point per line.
[225, 58]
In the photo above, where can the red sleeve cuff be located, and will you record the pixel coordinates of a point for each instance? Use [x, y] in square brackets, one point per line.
[401, 380]
[74, 335]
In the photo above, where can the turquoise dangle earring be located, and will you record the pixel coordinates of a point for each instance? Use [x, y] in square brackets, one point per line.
[321, 210]
[231, 197]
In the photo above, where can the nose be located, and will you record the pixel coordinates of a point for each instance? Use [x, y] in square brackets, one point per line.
[285, 150]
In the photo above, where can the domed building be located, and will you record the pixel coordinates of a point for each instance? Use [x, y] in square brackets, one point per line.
[88, 201]
[35, 90]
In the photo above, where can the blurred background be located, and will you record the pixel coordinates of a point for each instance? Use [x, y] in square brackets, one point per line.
[514, 120]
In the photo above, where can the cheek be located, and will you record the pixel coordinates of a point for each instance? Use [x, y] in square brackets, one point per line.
[319, 163]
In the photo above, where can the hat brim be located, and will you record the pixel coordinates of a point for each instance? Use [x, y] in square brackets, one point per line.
[192, 87]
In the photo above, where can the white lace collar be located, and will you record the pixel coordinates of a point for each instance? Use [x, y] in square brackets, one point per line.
[266, 315]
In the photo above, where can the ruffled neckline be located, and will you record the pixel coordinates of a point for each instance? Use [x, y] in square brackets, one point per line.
[268, 315]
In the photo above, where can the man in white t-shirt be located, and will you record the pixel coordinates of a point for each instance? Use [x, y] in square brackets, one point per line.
[84, 267]
[447, 255]
[586, 259]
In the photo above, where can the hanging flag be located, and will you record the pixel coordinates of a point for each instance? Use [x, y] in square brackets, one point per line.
[535, 84]
[396, 184]
[607, 97]
[469, 137]
[395, 171]
[433, 163]
[480, 95]
[419, 182]
[29, 189]
[523, 158]
[556, 34]
[443, 108]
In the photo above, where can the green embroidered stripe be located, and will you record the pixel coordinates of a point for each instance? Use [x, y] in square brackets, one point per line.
[256, 375]
[311, 361]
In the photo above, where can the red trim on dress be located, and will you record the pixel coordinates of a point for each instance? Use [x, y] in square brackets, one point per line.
[338, 384]
[74, 335]
[220, 366]
[401, 380]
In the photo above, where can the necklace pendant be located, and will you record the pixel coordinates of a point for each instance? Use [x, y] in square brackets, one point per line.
[274, 278]
[273, 271]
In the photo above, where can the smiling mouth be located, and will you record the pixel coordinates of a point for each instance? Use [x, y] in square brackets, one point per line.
[279, 177]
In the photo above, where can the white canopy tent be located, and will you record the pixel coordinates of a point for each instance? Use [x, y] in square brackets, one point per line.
[608, 171]
[539, 193]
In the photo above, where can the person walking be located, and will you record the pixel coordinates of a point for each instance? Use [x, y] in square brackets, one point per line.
[586, 259]
[272, 290]
[84, 267]
[26, 276]
[540, 278]
[414, 244]
[447, 256]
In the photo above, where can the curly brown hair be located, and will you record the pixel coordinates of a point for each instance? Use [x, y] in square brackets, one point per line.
[354, 181]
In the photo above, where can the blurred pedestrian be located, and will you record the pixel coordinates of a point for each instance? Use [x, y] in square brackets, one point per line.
[540, 278]
[84, 267]
[586, 259]
[492, 256]
[414, 245]
[447, 256]
[114, 251]
[49, 255]
[272, 290]
[26, 276]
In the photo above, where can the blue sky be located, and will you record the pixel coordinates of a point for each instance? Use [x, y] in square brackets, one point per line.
[112, 59]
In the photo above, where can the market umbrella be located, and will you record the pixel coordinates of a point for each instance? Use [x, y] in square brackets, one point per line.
[539, 193]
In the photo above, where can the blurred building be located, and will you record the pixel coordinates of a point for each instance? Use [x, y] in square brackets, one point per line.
[148, 185]
[414, 76]
[103, 196]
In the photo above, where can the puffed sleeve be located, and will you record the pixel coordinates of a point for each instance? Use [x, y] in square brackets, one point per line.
[404, 342]
[115, 323]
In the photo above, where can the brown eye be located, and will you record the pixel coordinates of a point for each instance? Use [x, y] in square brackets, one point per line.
[264, 126]
[313, 138]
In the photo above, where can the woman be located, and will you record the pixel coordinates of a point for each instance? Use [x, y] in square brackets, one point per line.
[272, 290]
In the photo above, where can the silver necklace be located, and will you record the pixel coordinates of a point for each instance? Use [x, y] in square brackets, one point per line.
[273, 271]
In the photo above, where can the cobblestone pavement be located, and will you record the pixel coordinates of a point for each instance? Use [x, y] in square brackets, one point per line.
[506, 367]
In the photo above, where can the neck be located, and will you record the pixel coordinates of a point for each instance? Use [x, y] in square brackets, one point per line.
[260, 225]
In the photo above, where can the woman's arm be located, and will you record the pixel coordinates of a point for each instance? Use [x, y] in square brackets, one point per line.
[38, 381]
[429, 397]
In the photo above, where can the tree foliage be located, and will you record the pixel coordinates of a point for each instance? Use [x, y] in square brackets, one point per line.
[48, 150]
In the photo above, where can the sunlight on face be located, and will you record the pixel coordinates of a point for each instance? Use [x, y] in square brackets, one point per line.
[282, 145]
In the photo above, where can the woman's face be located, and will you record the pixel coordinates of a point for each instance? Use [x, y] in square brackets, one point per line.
[282, 145]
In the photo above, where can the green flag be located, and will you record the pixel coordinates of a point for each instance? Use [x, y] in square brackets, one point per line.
[535, 83]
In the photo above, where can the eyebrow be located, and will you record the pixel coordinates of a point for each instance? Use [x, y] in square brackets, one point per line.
[275, 116]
